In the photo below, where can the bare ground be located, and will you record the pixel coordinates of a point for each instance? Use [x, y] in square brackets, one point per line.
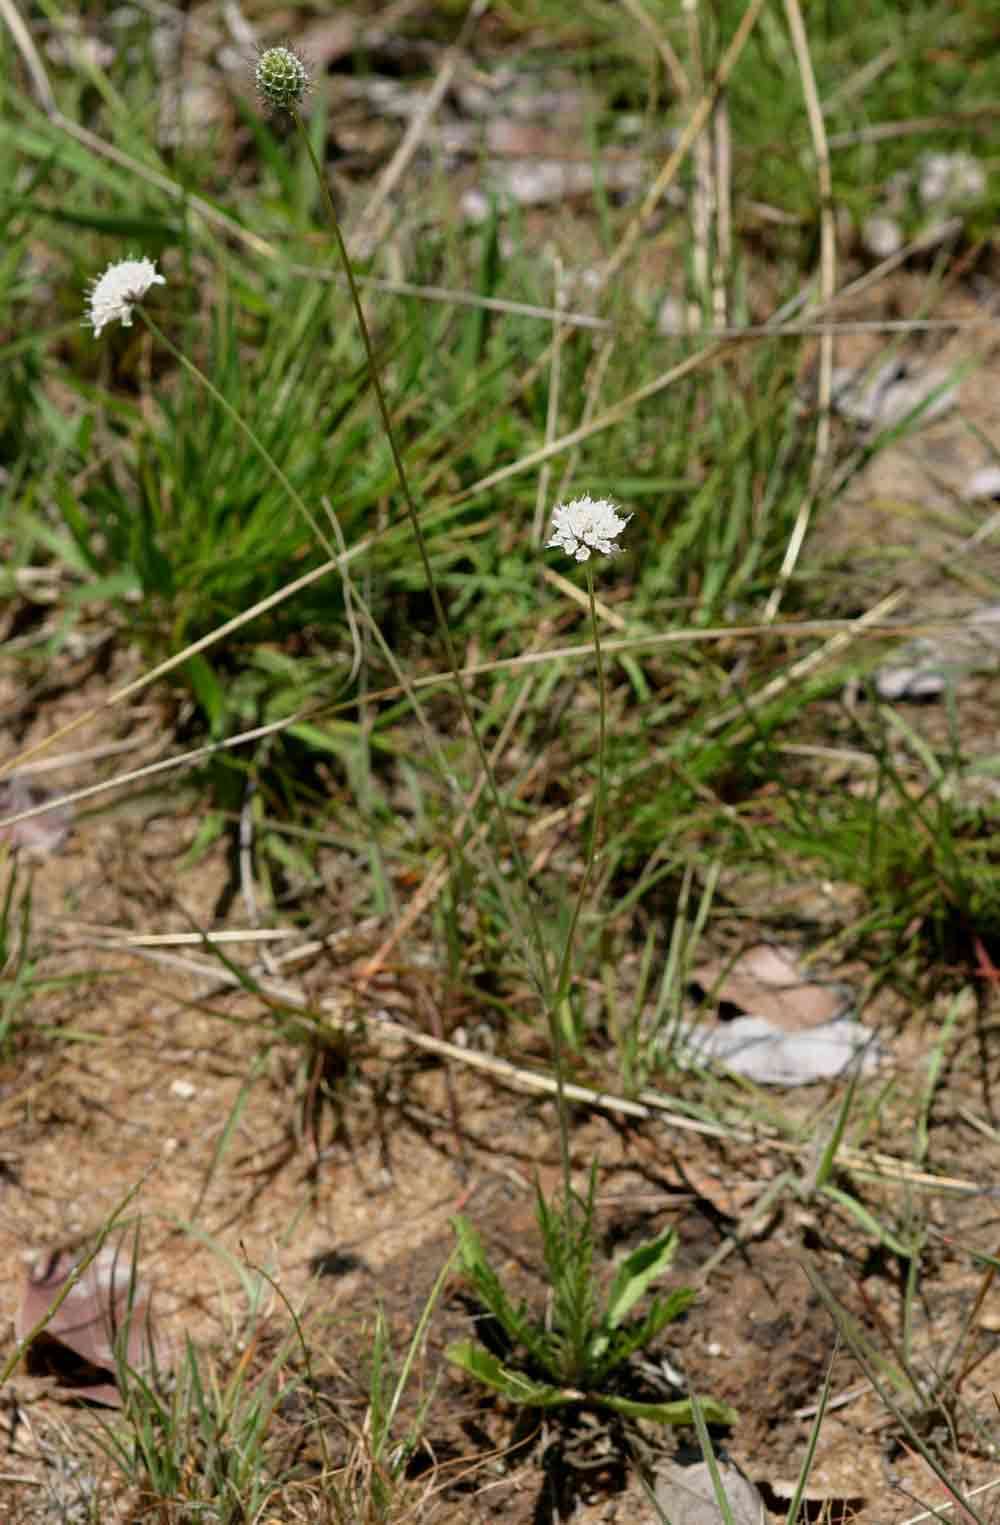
[148, 1083]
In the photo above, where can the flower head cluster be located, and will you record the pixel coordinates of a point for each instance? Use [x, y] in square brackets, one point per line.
[282, 78]
[115, 293]
[587, 526]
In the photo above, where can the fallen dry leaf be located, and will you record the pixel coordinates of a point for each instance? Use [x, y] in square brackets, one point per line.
[929, 665]
[767, 982]
[756, 1049]
[687, 1497]
[106, 1301]
[44, 834]
[884, 398]
[984, 483]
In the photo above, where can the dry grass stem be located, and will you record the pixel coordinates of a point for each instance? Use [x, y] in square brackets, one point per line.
[827, 289]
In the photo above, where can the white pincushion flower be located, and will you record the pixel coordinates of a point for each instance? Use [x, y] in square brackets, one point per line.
[950, 180]
[587, 525]
[116, 292]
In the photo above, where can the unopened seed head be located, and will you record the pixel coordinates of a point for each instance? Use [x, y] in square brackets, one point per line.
[282, 78]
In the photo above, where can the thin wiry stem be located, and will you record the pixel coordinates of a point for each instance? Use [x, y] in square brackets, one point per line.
[534, 929]
[566, 960]
[311, 520]
[258, 444]
[828, 285]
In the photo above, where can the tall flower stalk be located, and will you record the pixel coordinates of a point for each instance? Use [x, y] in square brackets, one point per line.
[283, 81]
[583, 528]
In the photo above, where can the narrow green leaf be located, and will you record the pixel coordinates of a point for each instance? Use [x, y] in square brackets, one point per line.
[704, 1440]
[867, 1220]
[679, 1412]
[516, 1322]
[479, 1363]
[636, 1272]
[810, 1451]
[824, 1169]
[208, 691]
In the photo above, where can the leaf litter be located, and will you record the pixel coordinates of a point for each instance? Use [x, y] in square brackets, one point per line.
[930, 665]
[687, 1495]
[41, 836]
[791, 1031]
[104, 1318]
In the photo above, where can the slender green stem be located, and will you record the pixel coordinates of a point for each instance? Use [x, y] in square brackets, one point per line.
[300, 504]
[565, 963]
[542, 973]
[245, 429]
[310, 518]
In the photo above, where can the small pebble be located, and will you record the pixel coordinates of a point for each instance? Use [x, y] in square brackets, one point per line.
[984, 483]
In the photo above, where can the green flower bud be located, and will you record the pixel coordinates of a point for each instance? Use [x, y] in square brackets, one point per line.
[282, 78]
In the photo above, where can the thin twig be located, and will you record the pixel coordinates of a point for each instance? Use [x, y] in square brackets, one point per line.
[586, 320]
[980, 119]
[806, 665]
[858, 82]
[25, 45]
[722, 139]
[578, 596]
[552, 409]
[86, 755]
[702, 199]
[162, 668]
[827, 286]
[939, 1509]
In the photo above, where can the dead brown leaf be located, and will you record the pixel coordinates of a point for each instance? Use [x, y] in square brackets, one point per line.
[107, 1305]
[766, 981]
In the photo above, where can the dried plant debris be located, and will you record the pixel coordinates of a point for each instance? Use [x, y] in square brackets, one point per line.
[929, 665]
[43, 835]
[921, 201]
[831, 1503]
[766, 981]
[686, 1495]
[887, 396]
[105, 1315]
[789, 1029]
[754, 1048]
